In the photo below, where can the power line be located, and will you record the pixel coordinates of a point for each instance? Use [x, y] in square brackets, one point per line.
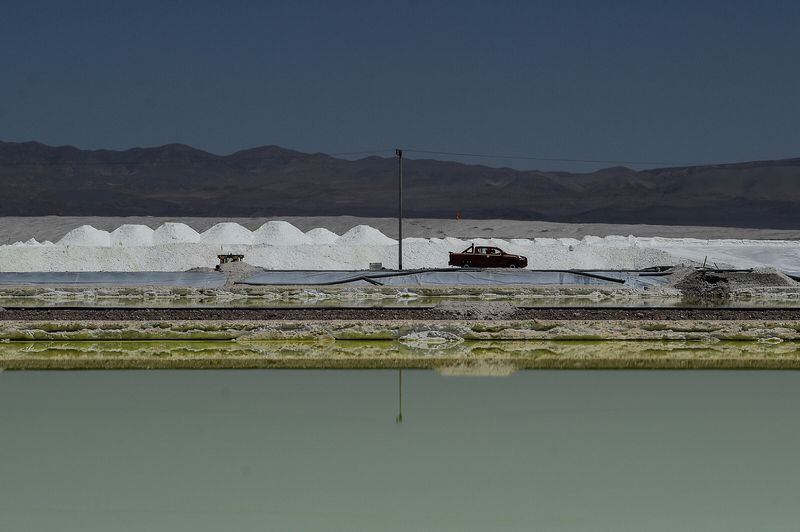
[517, 157]
[548, 159]
[221, 159]
[363, 152]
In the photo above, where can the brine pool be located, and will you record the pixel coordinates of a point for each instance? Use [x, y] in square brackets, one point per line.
[390, 450]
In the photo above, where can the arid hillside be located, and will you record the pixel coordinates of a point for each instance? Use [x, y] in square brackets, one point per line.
[177, 180]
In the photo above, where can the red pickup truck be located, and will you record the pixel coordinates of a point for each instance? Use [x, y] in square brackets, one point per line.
[486, 257]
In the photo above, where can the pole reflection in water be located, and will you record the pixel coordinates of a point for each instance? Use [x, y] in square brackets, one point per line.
[314, 450]
[399, 418]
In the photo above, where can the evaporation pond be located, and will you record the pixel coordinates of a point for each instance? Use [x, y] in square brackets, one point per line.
[323, 450]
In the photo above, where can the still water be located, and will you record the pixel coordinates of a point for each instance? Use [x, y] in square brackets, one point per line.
[323, 450]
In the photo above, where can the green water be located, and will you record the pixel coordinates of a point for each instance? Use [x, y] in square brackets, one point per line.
[321, 450]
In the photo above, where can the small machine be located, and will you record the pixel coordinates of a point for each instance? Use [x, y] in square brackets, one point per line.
[228, 258]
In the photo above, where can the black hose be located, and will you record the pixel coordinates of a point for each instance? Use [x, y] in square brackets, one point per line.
[372, 277]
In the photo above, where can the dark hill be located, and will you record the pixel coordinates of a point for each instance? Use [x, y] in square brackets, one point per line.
[178, 180]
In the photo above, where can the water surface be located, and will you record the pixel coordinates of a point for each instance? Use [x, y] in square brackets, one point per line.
[322, 450]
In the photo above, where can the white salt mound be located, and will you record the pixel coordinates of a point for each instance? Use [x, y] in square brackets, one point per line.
[227, 233]
[364, 235]
[320, 235]
[176, 246]
[33, 242]
[86, 235]
[29, 242]
[278, 233]
[132, 235]
[175, 233]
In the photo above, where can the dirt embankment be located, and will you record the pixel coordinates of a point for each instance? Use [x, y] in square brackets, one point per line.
[422, 314]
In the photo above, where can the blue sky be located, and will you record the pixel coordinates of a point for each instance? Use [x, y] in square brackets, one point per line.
[625, 80]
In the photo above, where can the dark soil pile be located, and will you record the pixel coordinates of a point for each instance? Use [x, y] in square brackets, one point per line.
[712, 285]
[704, 286]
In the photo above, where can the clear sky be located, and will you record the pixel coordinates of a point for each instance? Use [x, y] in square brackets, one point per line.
[671, 81]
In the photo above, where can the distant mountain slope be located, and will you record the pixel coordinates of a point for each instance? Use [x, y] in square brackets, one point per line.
[177, 180]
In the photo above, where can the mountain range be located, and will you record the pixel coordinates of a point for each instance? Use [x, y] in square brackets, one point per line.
[178, 180]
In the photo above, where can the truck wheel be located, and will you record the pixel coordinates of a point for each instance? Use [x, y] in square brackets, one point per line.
[513, 266]
[466, 265]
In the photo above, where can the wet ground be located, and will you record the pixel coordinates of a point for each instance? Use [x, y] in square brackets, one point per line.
[445, 353]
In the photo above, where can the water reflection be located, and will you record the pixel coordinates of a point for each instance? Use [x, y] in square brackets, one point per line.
[317, 450]
[399, 418]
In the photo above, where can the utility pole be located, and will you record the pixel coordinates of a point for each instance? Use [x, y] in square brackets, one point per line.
[399, 154]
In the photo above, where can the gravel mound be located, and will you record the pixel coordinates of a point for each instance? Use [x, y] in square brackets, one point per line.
[718, 285]
[238, 271]
[704, 286]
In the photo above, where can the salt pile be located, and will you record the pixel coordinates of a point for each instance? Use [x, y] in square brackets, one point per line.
[86, 235]
[33, 242]
[280, 245]
[174, 233]
[279, 234]
[227, 233]
[132, 235]
[320, 235]
[364, 235]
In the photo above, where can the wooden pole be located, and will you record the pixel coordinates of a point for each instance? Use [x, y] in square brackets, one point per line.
[399, 154]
